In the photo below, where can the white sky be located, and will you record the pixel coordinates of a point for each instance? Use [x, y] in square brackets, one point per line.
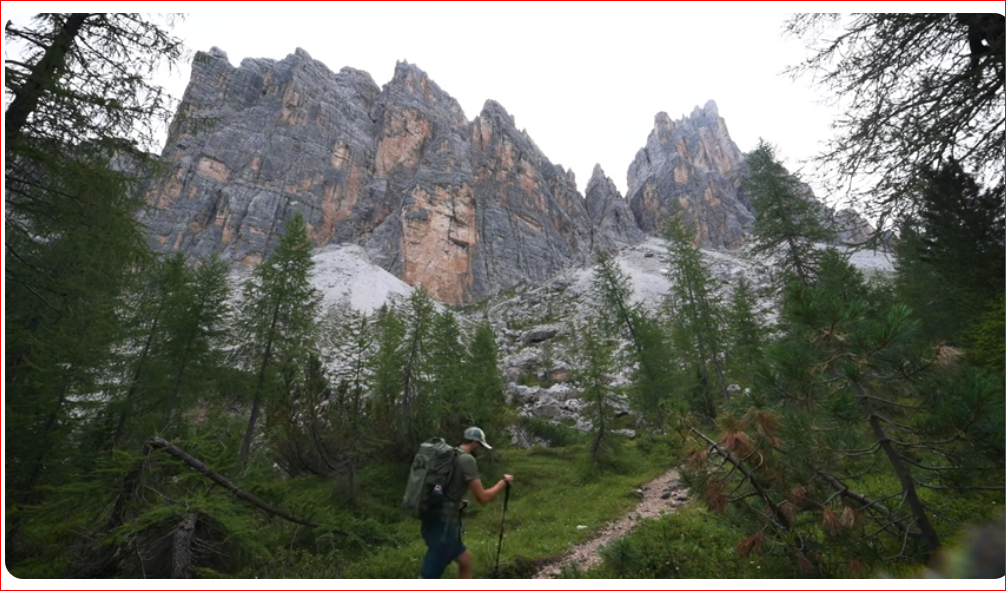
[585, 79]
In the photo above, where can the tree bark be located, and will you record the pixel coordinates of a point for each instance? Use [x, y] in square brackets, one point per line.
[182, 562]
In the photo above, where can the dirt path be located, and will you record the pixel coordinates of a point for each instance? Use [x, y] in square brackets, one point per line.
[661, 496]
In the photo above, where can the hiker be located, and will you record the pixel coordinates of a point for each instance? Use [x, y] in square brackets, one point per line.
[442, 529]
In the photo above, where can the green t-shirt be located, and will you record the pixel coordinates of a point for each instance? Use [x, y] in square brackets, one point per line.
[465, 470]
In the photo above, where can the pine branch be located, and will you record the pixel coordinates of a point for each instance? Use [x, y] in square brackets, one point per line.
[956, 488]
[864, 502]
[776, 511]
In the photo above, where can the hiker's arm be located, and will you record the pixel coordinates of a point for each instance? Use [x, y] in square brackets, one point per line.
[484, 495]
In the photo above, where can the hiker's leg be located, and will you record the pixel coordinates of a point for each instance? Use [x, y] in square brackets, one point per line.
[437, 556]
[465, 565]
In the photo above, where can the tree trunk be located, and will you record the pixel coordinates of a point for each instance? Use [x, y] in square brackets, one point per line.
[929, 535]
[257, 402]
[182, 561]
[199, 466]
[41, 79]
[120, 427]
[173, 400]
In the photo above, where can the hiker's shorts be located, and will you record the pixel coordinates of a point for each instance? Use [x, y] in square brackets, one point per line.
[443, 546]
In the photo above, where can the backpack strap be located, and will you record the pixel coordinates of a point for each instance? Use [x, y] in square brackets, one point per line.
[450, 475]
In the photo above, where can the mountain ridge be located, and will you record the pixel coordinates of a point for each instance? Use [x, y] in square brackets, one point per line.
[466, 208]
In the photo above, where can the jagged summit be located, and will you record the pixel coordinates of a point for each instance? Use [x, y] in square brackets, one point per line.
[463, 207]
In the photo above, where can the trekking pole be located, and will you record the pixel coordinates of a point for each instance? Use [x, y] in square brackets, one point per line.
[499, 545]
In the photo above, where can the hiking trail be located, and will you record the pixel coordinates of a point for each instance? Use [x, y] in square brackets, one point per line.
[659, 497]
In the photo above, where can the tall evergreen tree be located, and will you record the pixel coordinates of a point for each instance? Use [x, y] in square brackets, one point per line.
[418, 405]
[349, 335]
[278, 316]
[653, 382]
[949, 253]
[77, 99]
[62, 313]
[787, 224]
[483, 384]
[385, 375]
[745, 332]
[447, 376]
[596, 366]
[696, 314]
[195, 330]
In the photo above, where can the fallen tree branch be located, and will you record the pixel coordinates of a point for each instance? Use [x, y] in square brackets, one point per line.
[783, 520]
[199, 466]
[864, 502]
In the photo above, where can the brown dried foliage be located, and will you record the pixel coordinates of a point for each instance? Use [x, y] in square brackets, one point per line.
[798, 496]
[715, 497]
[697, 459]
[751, 545]
[832, 524]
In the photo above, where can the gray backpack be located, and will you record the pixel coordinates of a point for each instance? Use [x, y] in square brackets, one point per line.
[431, 472]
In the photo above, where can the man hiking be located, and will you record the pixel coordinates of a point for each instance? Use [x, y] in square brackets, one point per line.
[441, 529]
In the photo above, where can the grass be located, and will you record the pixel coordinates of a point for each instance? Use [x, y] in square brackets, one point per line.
[554, 493]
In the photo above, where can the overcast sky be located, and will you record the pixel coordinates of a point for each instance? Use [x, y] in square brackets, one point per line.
[584, 79]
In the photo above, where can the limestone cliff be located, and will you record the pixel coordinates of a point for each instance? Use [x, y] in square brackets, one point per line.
[465, 208]
[691, 166]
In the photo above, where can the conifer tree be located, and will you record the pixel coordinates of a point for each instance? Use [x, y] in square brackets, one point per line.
[483, 383]
[696, 315]
[195, 330]
[418, 405]
[447, 376]
[745, 331]
[596, 365]
[78, 99]
[654, 381]
[787, 224]
[349, 335]
[62, 313]
[278, 317]
[949, 253]
[917, 89]
[385, 375]
[854, 409]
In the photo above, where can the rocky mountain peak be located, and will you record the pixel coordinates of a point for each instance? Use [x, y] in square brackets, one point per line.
[691, 166]
[610, 213]
[708, 110]
[600, 190]
[463, 208]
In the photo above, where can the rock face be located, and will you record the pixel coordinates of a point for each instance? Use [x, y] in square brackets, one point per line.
[609, 211]
[463, 208]
[691, 166]
[252, 145]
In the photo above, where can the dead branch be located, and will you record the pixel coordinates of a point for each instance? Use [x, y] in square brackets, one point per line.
[199, 466]
[776, 511]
